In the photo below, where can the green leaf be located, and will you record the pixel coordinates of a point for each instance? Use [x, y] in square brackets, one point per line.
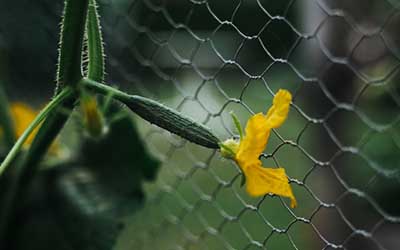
[121, 146]
[238, 126]
[82, 204]
[22, 175]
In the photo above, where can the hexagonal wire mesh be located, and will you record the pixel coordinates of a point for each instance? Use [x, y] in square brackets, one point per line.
[340, 145]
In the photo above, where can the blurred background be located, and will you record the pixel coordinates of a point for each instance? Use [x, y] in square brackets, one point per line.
[340, 145]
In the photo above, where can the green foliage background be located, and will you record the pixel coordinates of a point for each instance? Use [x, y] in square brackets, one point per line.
[196, 201]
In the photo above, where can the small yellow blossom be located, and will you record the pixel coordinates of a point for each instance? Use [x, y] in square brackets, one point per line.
[22, 115]
[246, 152]
[93, 117]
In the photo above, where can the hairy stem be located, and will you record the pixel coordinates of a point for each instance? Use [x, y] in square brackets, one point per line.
[69, 70]
[95, 44]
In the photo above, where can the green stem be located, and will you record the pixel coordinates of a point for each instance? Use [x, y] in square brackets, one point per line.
[237, 124]
[95, 44]
[69, 70]
[47, 133]
[160, 115]
[65, 93]
[6, 121]
[69, 73]
[222, 145]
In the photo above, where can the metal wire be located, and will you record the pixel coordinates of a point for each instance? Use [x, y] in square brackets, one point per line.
[341, 61]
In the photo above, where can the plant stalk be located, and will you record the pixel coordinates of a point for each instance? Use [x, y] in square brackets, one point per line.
[69, 70]
[95, 44]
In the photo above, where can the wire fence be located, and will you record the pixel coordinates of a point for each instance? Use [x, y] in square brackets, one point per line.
[340, 146]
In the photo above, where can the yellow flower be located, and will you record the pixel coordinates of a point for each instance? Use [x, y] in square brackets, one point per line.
[22, 115]
[246, 152]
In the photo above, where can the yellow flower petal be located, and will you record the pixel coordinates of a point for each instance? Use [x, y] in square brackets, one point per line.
[277, 114]
[22, 116]
[261, 181]
[254, 142]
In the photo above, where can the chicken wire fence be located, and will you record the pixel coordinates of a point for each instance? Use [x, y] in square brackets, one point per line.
[340, 145]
